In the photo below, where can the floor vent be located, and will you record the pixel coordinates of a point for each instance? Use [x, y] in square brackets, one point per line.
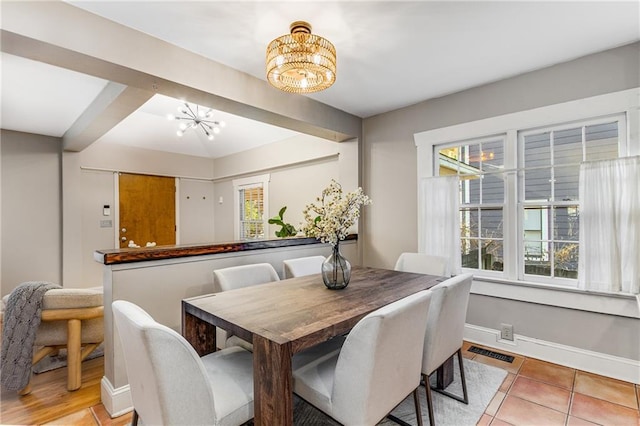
[492, 354]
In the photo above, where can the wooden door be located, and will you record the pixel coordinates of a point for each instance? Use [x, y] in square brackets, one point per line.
[147, 209]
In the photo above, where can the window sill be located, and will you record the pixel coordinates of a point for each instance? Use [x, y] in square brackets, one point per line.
[624, 305]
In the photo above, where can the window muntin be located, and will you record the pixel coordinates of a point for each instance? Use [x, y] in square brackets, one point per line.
[535, 225]
[480, 165]
[549, 206]
[251, 207]
[251, 212]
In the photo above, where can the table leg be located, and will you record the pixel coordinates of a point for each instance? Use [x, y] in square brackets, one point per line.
[445, 374]
[272, 383]
[199, 333]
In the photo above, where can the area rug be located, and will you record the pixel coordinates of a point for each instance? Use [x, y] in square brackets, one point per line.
[52, 362]
[483, 381]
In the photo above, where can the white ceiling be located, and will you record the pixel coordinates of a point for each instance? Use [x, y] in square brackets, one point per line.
[390, 54]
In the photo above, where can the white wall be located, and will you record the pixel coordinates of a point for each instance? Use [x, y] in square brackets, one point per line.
[31, 214]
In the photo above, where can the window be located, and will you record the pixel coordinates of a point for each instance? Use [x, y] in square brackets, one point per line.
[251, 201]
[538, 183]
[549, 170]
[480, 166]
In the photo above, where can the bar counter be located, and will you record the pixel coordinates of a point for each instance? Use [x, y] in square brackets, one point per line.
[129, 255]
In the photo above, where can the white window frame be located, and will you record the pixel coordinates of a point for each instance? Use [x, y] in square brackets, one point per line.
[507, 246]
[622, 149]
[623, 102]
[251, 182]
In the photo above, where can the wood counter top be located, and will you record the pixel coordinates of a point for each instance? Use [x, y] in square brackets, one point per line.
[129, 255]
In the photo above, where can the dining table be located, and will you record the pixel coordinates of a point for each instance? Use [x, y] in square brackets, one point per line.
[282, 318]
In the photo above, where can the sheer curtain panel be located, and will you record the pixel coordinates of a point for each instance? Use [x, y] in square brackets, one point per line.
[610, 226]
[439, 215]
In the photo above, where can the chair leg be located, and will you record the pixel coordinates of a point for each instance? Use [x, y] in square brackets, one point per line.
[416, 402]
[465, 398]
[462, 378]
[134, 418]
[427, 389]
[74, 356]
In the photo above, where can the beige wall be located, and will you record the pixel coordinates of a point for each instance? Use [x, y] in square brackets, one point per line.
[390, 178]
[62, 223]
[389, 151]
[196, 207]
[299, 168]
[31, 214]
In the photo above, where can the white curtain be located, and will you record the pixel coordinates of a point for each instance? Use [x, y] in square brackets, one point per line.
[610, 226]
[440, 219]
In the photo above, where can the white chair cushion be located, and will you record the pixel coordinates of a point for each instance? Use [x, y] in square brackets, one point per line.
[234, 340]
[230, 371]
[314, 381]
[445, 325]
[376, 368]
[421, 263]
[243, 276]
[170, 384]
[315, 352]
[235, 277]
[302, 266]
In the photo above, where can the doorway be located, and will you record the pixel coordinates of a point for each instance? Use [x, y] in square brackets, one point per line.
[147, 209]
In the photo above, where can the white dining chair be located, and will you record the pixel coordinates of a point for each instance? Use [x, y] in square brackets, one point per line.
[235, 277]
[444, 334]
[171, 385]
[421, 263]
[377, 367]
[303, 266]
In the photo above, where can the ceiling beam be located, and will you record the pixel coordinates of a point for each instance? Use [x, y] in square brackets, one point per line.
[109, 108]
[87, 43]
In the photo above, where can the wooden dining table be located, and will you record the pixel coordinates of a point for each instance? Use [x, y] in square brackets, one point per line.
[282, 318]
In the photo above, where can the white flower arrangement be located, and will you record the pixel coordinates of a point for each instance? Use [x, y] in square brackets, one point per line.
[330, 218]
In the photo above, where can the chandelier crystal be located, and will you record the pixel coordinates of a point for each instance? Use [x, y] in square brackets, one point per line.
[301, 62]
[197, 117]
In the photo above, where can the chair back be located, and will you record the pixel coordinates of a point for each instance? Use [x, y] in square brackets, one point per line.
[303, 266]
[236, 277]
[421, 263]
[168, 381]
[379, 364]
[445, 326]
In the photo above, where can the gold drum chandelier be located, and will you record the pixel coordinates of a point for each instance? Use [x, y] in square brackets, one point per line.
[301, 62]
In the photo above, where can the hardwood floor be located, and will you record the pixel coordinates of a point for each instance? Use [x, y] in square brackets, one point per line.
[50, 399]
[534, 392]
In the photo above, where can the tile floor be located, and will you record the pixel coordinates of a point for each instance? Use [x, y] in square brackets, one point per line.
[533, 393]
[540, 393]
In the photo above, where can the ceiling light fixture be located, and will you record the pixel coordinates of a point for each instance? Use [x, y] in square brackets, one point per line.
[301, 62]
[197, 117]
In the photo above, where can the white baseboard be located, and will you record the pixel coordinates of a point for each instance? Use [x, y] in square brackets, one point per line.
[116, 401]
[581, 359]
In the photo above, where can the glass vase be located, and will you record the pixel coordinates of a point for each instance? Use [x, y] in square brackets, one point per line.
[336, 270]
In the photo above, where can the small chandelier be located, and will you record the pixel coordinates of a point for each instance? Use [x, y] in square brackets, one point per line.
[197, 117]
[301, 62]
